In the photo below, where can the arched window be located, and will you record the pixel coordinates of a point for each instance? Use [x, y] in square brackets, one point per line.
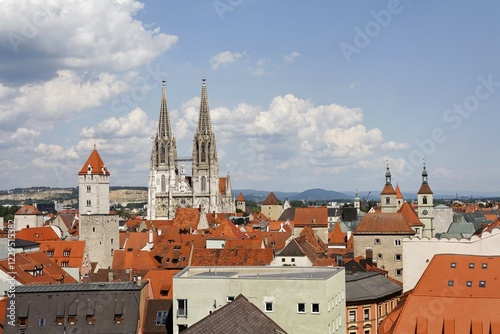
[203, 183]
[424, 200]
[203, 153]
[163, 184]
[162, 154]
[387, 200]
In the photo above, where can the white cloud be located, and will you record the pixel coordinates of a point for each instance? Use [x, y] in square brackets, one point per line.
[81, 34]
[354, 85]
[225, 57]
[393, 146]
[443, 173]
[290, 58]
[135, 123]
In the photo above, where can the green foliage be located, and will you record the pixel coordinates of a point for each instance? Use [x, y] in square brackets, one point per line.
[8, 212]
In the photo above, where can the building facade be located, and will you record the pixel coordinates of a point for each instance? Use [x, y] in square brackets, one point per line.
[169, 186]
[300, 300]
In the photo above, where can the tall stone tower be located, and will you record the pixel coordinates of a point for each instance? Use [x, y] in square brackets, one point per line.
[97, 226]
[388, 194]
[169, 186]
[163, 167]
[425, 202]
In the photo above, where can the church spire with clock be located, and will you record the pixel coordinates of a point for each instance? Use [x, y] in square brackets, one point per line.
[426, 205]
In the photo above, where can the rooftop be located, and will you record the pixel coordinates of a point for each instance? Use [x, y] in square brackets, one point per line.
[117, 286]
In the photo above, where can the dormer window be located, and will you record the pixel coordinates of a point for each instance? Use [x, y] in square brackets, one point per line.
[66, 252]
[89, 169]
[50, 253]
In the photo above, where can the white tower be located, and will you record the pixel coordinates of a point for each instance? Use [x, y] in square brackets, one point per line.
[388, 194]
[426, 206]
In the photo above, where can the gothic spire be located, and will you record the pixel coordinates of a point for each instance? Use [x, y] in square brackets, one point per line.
[164, 130]
[424, 174]
[388, 175]
[204, 124]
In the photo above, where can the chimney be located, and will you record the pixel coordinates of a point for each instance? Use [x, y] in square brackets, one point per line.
[139, 280]
[266, 240]
[369, 256]
[349, 235]
[110, 276]
[150, 239]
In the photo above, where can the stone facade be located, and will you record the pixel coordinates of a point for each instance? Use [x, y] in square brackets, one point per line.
[169, 186]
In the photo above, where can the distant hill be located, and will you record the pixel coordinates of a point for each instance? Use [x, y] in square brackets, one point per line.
[307, 195]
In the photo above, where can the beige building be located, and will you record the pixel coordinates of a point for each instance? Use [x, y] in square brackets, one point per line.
[300, 300]
[271, 207]
[28, 216]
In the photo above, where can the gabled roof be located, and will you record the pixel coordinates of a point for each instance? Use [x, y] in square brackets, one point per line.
[28, 210]
[240, 316]
[135, 259]
[160, 283]
[271, 199]
[97, 166]
[425, 189]
[384, 223]
[232, 257]
[38, 234]
[313, 216]
[186, 218]
[410, 215]
[240, 198]
[74, 251]
[227, 230]
[388, 190]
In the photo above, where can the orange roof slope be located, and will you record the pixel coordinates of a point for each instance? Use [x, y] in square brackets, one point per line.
[314, 216]
[37, 234]
[240, 198]
[160, 282]
[464, 288]
[97, 165]
[399, 195]
[388, 190]
[384, 223]
[410, 215]
[227, 230]
[232, 257]
[271, 199]
[186, 218]
[425, 189]
[28, 210]
[74, 251]
[136, 259]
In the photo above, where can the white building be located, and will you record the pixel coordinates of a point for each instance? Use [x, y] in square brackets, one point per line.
[299, 299]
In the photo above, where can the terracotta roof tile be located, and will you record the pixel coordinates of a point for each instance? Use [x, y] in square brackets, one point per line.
[228, 230]
[388, 190]
[160, 282]
[186, 218]
[271, 199]
[232, 257]
[96, 164]
[240, 198]
[384, 223]
[222, 185]
[313, 216]
[37, 234]
[28, 210]
[410, 215]
[425, 189]
[135, 259]
[399, 195]
[70, 251]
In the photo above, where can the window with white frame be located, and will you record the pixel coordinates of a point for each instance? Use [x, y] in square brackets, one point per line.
[301, 307]
[366, 314]
[161, 317]
[398, 257]
[397, 242]
[399, 272]
[182, 307]
[352, 315]
[315, 308]
[268, 307]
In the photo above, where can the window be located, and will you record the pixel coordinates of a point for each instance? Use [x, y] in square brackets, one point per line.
[380, 256]
[41, 322]
[88, 189]
[161, 318]
[66, 253]
[182, 307]
[22, 321]
[89, 319]
[453, 265]
[367, 331]
[268, 306]
[352, 315]
[482, 284]
[315, 308]
[366, 314]
[72, 320]
[387, 200]
[203, 183]
[64, 264]
[50, 253]
[301, 308]
[182, 327]
[230, 299]
[93, 229]
[484, 266]
[424, 200]
[118, 319]
[163, 184]
[397, 242]
[89, 202]
[471, 265]
[60, 321]
[399, 272]
[468, 284]
[451, 283]
[376, 241]
[293, 259]
[283, 260]
[398, 257]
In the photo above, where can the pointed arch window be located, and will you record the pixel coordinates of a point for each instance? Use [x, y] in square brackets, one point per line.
[162, 154]
[203, 183]
[424, 200]
[387, 200]
[203, 154]
[163, 184]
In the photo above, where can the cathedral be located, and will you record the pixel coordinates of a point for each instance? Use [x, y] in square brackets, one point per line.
[169, 187]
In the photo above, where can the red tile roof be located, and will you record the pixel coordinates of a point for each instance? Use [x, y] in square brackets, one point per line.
[227, 230]
[313, 216]
[425, 189]
[232, 257]
[37, 234]
[186, 218]
[388, 190]
[271, 199]
[399, 195]
[240, 198]
[222, 185]
[75, 248]
[135, 259]
[160, 282]
[410, 215]
[28, 210]
[456, 294]
[384, 223]
[97, 165]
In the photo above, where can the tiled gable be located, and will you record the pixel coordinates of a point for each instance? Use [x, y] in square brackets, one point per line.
[94, 165]
[135, 259]
[37, 234]
[384, 223]
[271, 199]
[313, 216]
[410, 215]
[28, 210]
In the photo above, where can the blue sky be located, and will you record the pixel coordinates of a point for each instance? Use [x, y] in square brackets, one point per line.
[302, 95]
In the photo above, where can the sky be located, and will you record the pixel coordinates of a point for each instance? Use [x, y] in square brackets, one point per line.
[302, 94]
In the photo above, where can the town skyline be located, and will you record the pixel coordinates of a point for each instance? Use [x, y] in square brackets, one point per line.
[323, 105]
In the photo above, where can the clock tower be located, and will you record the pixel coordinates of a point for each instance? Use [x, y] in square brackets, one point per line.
[426, 206]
